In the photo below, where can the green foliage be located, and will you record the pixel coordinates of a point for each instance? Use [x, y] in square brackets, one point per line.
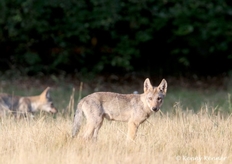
[94, 36]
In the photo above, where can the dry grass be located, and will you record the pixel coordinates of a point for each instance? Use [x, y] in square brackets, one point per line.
[176, 138]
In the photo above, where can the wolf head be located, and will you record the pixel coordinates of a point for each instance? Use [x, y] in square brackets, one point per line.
[46, 103]
[155, 95]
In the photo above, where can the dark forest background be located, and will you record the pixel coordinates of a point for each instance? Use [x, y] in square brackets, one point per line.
[165, 37]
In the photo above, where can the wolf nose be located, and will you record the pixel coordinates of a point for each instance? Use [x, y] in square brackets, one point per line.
[155, 109]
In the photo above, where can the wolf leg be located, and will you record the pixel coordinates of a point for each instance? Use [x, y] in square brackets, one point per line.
[89, 130]
[92, 128]
[96, 130]
[132, 130]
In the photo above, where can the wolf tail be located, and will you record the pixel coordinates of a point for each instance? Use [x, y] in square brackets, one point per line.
[77, 122]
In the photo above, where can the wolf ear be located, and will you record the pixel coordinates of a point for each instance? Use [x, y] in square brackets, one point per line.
[46, 93]
[147, 85]
[163, 86]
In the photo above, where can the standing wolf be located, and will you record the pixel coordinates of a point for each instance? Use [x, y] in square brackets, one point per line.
[24, 105]
[131, 108]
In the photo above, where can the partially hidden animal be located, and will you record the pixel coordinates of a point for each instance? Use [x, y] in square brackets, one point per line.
[24, 106]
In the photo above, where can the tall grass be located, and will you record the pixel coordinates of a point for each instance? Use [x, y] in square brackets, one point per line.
[194, 127]
[167, 138]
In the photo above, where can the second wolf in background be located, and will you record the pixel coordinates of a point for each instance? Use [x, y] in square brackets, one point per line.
[18, 105]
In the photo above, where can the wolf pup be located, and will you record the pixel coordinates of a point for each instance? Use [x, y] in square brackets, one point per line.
[131, 108]
[19, 106]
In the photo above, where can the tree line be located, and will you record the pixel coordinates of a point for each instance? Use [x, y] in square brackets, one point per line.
[165, 36]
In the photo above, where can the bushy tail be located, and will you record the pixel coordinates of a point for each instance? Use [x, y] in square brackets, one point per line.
[77, 122]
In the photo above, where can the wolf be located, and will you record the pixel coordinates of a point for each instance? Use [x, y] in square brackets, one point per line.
[131, 108]
[24, 106]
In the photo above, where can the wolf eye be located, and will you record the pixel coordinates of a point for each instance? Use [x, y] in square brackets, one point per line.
[159, 99]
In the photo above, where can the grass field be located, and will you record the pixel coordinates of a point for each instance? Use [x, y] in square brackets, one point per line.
[195, 126]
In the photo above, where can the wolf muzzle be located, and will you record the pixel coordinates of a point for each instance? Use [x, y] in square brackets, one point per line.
[53, 111]
[155, 109]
